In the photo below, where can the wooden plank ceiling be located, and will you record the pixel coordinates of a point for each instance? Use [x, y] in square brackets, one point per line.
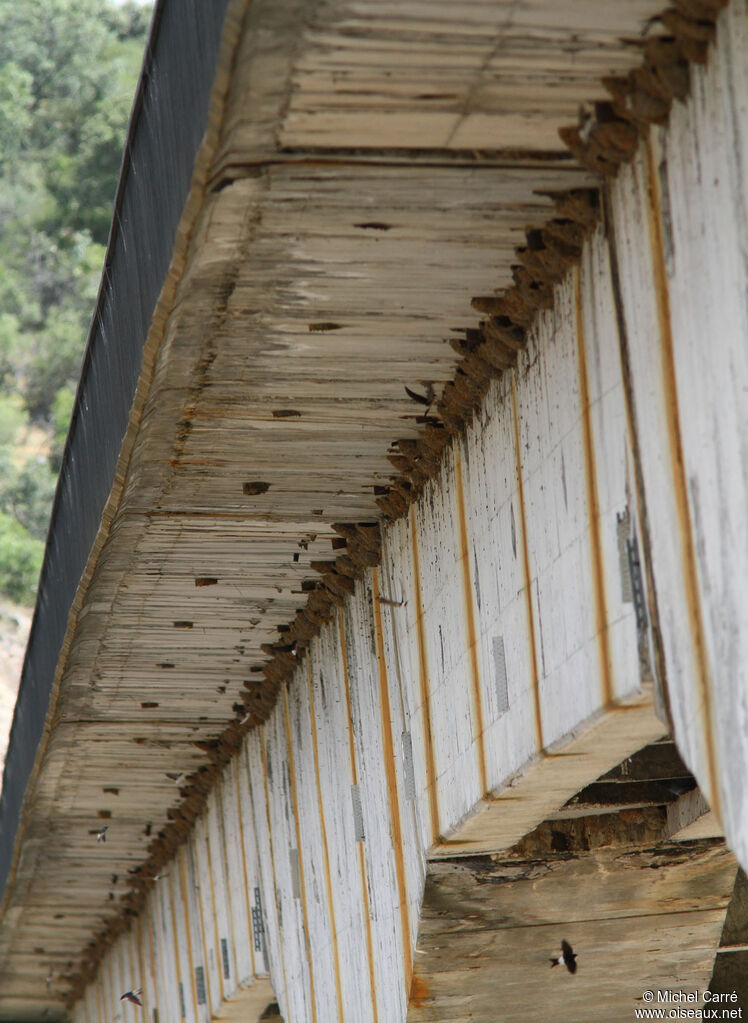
[376, 165]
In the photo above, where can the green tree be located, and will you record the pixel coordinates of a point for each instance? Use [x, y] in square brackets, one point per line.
[67, 76]
[20, 561]
[68, 70]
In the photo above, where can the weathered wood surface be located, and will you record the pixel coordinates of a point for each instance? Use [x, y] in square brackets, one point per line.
[681, 223]
[498, 623]
[638, 919]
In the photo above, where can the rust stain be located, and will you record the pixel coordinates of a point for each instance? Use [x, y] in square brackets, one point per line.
[244, 862]
[472, 638]
[198, 899]
[423, 674]
[225, 855]
[680, 487]
[188, 929]
[535, 678]
[419, 992]
[217, 945]
[593, 504]
[151, 951]
[389, 767]
[272, 851]
[175, 943]
[325, 850]
[141, 967]
[101, 985]
[361, 852]
[302, 878]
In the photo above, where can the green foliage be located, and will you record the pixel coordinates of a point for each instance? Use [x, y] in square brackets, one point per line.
[26, 494]
[62, 409]
[20, 561]
[12, 418]
[67, 76]
[68, 70]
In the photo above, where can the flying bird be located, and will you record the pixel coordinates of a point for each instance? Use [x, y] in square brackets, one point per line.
[132, 996]
[101, 835]
[568, 957]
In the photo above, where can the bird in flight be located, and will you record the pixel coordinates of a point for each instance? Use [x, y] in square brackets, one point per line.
[568, 957]
[101, 835]
[132, 996]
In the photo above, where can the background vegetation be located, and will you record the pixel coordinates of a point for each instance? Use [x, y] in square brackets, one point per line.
[68, 70]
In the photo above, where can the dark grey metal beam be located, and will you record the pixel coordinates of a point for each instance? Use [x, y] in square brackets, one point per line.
[168, 122]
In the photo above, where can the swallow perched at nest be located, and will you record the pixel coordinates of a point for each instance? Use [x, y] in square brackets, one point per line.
[568, 957]
[101, 835]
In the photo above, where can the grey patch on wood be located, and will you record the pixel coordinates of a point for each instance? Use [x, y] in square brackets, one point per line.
[200, 985]
[540, 627]
[637, 583]
[514, 530]
[293, 858]
[667, 220]
[155, 1015]
[563, 482]
[358, 813]
[258, 927]
[502, 687]
[182, 1008]
[408, 772]
[623, 529]
[225, 958]
[476, 579]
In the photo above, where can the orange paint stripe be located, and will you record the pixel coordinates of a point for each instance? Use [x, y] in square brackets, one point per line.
[216, 938]
[593, 504]
[250, 930]
[472, 637]
[272, 856]
[104, 988]
[389, 768]
[206, 969]
[174, 942]
[423, 675]
[325, 850]
[141, 981]
[149, 919]
[227, 889]
[302, 879]
[680, 485]
[188, 928]
[534, 674]
[361, 852]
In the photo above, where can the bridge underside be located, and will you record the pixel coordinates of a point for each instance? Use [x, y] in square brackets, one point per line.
[386, 579]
